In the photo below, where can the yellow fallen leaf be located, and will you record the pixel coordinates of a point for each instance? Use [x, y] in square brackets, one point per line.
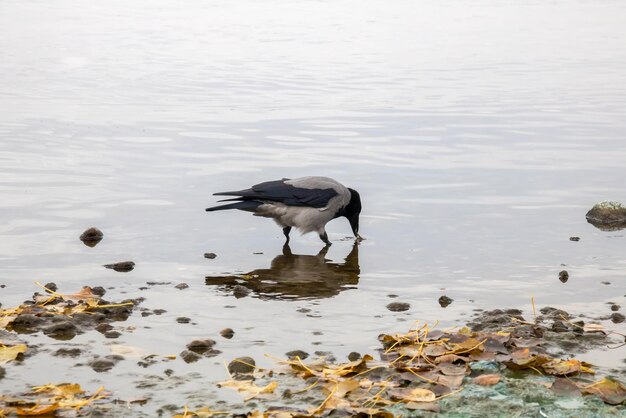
[8, 353]
[37, 410]
[609, 390]
[249, 386]
[413, 395]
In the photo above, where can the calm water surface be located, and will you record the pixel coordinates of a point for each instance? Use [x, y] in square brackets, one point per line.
[478, 134]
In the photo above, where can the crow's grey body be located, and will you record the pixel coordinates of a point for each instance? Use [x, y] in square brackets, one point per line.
[305, 203]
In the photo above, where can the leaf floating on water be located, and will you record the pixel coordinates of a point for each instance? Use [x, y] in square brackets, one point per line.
[566, 367]
[204, 412]
[413, 395]
[486, 379]
[609, 390]
[249, 386]
[9, 353]
[47, 399]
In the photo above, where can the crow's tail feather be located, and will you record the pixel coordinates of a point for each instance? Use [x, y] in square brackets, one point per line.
[247, 205]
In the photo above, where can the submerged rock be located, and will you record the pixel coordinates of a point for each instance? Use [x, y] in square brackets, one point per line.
[64, 330]
[91, 237]
[607, 215]
[122, 266]
[190, 356]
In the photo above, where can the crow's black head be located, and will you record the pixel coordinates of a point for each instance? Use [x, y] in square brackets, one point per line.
[353, 210]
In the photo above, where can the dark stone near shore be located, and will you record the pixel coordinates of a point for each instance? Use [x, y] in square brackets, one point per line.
[354, 356]
[51, 287]
[26, 324]
[617, 318]
[64, 330]
[100, 365]
[112, 334]
[227, 333]
[190, 356]
[297, 353]
[122, 266]
[210, 256]
[201, 346]
[67, 352]
[445, 301]
[91, 237]
[183, 320]
[241, 365]
[575, 239]
[181, 286]
[98, 291]
[563, 276]
[398, 306]
[607, 216]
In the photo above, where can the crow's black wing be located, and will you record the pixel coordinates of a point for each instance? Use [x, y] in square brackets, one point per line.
[279, 191]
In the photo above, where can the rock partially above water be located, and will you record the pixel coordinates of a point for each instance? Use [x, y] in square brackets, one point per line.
[241, 365]
[210, 256]
[563, 276]
[607, 216]
[227, 333]
[122, 266]
[444, 301]
[91, 237]
[398, 306]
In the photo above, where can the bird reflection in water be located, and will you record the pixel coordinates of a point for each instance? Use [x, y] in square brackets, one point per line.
[293, 276]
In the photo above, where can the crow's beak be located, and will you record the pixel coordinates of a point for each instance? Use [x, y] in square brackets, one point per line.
[354, 224]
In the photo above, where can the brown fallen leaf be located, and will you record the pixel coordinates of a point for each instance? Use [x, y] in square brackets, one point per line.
[202, 413]
[37, 410]
[609, 390]
[452, 382]
[451, 369]
[565, 387]
[9, 353]
[486, 379]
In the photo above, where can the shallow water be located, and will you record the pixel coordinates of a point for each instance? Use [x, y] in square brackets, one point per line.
[478, 135]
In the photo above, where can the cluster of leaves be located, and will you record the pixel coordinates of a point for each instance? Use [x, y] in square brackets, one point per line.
[419, 368]
[48, 399]
[53, 303]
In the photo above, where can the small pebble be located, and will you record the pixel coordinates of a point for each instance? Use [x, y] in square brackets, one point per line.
[444, 301]
[190, 356]
[354, 356]
[227, 333]
[617, 318]
[606, 283]
[201, 346]
[297, 353]
[122, 266]
[112, 334]
[181, 286]
[615, 308]
[183, 320]
[91, 237]
[210, 256]
[574, 239]
[563, 276]
[51, 287]
[398, 306]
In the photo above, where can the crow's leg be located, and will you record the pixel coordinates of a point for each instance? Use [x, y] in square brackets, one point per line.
[286, 231]
[324, 237]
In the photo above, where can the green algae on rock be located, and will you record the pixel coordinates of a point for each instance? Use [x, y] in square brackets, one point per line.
[607, 215]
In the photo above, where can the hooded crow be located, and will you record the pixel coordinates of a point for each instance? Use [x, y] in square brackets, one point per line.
[305, 203]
